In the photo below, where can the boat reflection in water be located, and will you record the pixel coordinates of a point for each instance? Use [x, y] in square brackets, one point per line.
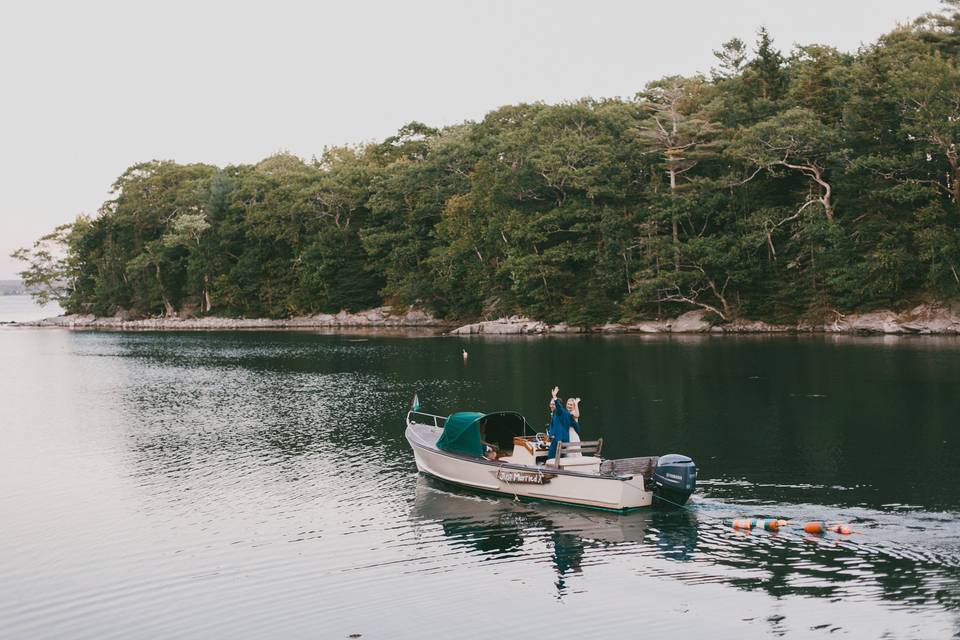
[500, 527]
[901, 572]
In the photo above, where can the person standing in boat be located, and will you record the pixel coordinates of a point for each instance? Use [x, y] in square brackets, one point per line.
[564, 421]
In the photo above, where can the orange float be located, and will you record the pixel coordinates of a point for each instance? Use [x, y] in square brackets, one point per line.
[815, 526]
[842, 529]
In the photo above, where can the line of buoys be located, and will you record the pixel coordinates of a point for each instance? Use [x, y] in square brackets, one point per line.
[768, 524]
[818, 527]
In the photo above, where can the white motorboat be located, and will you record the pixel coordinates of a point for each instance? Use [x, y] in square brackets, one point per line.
[500, 453]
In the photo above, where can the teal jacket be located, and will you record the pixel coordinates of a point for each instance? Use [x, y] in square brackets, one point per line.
[560, 423]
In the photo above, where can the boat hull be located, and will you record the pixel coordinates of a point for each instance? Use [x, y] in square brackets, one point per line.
[526, 482]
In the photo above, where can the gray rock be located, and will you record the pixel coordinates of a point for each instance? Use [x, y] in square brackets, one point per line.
[503, 327]
[928, 319]
[923, 319]
[753, 326]
[651, 326]
[646, 326]
[614, 328]
[874, 322]
[466, 330]
[563, 327]
[691, 322]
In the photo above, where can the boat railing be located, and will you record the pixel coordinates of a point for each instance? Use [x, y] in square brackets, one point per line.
[438, 421]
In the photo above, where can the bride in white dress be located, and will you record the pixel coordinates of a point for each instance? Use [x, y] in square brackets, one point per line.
[573, 406]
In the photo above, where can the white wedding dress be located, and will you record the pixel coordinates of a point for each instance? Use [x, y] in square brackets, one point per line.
[574, 437]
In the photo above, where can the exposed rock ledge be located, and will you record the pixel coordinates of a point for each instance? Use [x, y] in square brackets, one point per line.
[379, 317]
[924, 319]
[690, 322]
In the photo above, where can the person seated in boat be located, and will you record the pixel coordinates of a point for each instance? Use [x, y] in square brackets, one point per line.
[562, 418]
[490, 451]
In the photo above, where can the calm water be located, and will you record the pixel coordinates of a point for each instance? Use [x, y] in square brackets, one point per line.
[251, 485]
[23, 309]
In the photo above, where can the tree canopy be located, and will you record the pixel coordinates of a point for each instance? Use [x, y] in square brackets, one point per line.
[785, 185]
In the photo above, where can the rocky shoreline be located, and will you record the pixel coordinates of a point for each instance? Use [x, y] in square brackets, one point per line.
[921, 320]
[381, 317]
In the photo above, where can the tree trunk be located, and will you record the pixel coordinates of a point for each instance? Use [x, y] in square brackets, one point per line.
[814, 172]
[954, 183]
[543, 275]
[673, 214]
[827, 191]
[626, 272]
[206, 293]
[168, 309]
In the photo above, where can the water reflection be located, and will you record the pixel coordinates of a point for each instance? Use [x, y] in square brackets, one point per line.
[499, 527]
[779, 564]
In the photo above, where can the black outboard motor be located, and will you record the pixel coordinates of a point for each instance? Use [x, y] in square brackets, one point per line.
[674, 480]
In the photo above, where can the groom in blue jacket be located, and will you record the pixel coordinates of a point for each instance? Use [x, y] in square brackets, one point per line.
[561, 419]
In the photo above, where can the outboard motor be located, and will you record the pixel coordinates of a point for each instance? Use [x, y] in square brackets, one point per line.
[674, 480]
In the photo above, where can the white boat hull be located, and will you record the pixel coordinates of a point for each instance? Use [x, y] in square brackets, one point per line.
[615, 493]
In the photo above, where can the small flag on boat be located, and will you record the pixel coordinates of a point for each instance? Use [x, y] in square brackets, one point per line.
[415, 403]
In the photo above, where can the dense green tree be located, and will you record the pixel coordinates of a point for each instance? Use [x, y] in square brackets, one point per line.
[766, 71]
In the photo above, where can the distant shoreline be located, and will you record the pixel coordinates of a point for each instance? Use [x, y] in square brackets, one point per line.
[921, 320]
[379, 318]
[12, 288]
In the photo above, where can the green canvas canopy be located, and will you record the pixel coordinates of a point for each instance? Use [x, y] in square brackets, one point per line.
[461, 431]
[461, 434]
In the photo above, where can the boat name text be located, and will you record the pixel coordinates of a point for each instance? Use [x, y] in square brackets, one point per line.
[524, 477]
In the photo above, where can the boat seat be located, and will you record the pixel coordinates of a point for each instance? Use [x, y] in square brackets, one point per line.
[584, 449]
[574, 462]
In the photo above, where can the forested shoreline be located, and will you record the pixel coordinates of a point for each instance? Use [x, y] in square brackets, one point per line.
[781, 186]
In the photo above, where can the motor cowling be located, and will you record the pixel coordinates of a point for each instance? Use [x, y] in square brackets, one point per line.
[674, 479]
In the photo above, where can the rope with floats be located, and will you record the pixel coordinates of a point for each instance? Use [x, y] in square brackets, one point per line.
[814, 527]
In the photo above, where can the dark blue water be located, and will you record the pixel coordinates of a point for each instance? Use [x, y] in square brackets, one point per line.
[257, 484]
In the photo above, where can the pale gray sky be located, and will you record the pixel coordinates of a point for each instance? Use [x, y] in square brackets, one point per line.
[89, 88]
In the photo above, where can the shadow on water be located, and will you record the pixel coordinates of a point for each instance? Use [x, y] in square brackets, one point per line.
[499, 527]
